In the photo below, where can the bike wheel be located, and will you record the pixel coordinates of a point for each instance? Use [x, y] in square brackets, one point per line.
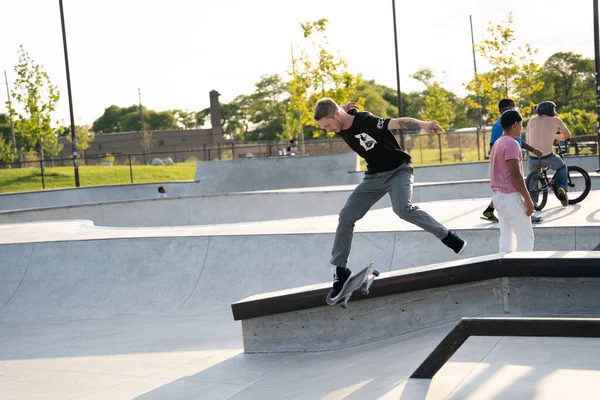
[579, 184]
[536, 182]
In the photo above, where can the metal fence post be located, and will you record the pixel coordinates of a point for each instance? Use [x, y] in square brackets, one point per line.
[42, 171]
[478, 146]
[440, 145]
[130, 169]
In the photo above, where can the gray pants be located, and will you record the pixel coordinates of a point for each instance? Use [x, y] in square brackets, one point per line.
[398, 183]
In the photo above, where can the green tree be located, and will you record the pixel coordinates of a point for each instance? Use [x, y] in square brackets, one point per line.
[314, 76]
[185, 118]
[109, 121]
[269, 104]
[159, 120]
[580, 122]
[239, 117]
[127, 119]
[83, 136]
[569, 81]
[438, 104]
[5, 126]
[7, 152]
[378, 99]
[513, 72]
[233, 117]
[36, 98]
[260, 115]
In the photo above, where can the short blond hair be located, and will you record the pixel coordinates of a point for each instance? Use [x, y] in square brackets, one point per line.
[325, 108]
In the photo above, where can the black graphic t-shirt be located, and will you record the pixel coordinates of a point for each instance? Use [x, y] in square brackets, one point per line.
[370, 138]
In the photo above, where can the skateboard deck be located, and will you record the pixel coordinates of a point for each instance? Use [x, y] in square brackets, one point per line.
[361, 280]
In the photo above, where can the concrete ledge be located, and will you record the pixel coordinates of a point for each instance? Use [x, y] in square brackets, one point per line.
[538, 327]
[266, 173]
[404, 301]
[240, 207]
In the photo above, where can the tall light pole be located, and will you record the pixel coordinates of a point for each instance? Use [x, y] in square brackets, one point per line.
[597, 59]
[400, 110]
[301, 135]
[479, 119]
[73, 133]
[12, 125]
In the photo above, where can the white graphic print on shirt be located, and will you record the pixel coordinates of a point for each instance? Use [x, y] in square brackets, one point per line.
[366, 141]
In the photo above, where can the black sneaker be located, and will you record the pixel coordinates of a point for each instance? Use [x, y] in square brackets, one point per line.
[561, 193]
[490, 215]
[339, 280]
[455, 242]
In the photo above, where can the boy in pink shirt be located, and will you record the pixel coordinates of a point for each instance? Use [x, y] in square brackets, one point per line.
[511, 197]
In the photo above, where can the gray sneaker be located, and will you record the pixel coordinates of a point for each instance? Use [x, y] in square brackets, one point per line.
[561, 193]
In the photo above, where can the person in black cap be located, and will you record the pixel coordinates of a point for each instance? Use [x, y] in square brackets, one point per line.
[497, 131]
[511, 196]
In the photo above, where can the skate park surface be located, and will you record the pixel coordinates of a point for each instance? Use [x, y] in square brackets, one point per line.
[98, 312]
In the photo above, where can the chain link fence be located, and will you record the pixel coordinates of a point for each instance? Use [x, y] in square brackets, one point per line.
[31, 173]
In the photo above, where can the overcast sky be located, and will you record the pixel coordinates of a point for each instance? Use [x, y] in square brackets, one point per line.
[177, 51]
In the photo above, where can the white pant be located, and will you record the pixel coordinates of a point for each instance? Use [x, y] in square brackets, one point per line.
[516, 232]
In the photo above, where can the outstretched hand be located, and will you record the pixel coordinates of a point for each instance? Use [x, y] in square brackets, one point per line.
[432, 127]
[349, 106]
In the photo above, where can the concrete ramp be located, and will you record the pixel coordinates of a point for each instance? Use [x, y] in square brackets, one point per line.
[153, 277]
[149, 317]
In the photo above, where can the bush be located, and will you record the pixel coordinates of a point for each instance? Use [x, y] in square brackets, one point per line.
[226, 154]
[108, 158]
[29, 159]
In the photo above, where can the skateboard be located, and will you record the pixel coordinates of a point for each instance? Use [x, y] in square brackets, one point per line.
[361, 281]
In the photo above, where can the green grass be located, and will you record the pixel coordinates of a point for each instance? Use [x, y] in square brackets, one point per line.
[30, 179]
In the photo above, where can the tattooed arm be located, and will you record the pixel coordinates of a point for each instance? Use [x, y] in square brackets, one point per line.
[412, 123]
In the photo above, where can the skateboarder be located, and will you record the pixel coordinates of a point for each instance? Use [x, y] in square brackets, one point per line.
[389, 170]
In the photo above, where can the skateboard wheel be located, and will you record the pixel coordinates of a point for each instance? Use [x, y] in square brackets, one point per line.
[375, 273]
[343, 306]
[365, 292]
